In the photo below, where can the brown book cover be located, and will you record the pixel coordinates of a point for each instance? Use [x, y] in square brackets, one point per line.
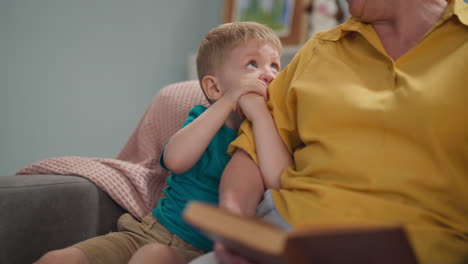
[264, 243]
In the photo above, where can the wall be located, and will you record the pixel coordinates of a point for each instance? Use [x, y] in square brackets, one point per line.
[75, 76]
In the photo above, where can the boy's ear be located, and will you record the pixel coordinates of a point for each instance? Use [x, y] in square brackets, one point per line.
[211, 88]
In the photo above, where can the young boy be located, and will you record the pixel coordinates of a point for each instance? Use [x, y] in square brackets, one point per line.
[236, 62]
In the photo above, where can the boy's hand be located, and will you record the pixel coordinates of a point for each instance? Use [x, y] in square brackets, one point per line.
[244, 86]
[253, 106]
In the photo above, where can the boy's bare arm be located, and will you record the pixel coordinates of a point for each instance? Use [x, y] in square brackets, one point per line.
[273, 156]
[187, 145]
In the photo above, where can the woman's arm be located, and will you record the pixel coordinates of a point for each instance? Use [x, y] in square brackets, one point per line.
[241, 187]
[273, 156]
[240, 192]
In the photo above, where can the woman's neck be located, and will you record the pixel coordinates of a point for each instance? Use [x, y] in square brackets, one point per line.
[411, 22]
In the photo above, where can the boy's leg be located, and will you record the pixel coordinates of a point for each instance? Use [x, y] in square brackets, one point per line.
[208, 258]
[116, 247]
[70, 255]
[157, 253]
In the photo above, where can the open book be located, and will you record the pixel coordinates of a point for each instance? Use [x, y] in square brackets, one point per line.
[264, 243]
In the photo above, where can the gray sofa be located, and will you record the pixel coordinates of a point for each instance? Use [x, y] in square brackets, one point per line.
[45, 212]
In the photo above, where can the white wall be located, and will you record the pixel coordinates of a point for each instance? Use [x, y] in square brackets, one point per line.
[75, 76]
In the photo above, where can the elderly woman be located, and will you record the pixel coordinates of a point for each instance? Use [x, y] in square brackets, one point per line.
[374, 114]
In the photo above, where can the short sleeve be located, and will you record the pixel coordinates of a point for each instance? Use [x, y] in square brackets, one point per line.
[195, 112]
[245, 141]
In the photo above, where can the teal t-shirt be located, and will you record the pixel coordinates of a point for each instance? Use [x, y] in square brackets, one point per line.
[200, 183]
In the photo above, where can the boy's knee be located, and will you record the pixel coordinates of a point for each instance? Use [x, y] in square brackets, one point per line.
[154, 247]
[50, 257]
[150, 252]
[66, 255]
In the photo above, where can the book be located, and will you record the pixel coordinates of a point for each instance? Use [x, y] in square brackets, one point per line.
[264, 243]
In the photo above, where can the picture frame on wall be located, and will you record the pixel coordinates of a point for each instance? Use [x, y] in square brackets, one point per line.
[288, 18]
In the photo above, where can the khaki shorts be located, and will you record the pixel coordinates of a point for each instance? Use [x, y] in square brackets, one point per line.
[118, 247]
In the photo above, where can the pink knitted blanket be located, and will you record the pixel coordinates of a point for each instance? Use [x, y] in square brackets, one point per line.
[134, 179]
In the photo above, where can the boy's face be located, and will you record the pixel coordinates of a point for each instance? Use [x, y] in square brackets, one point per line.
[251, 59]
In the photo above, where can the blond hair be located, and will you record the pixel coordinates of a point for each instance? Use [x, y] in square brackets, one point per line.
[223, 38]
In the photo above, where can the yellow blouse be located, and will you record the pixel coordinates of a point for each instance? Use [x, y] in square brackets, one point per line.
[377, 141]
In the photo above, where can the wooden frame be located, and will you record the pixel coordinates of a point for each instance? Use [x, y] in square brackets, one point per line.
[294, 29]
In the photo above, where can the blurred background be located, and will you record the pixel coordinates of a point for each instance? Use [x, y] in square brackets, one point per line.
[76, 76]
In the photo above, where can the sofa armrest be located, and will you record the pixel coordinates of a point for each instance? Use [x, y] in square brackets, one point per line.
[46, 212]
